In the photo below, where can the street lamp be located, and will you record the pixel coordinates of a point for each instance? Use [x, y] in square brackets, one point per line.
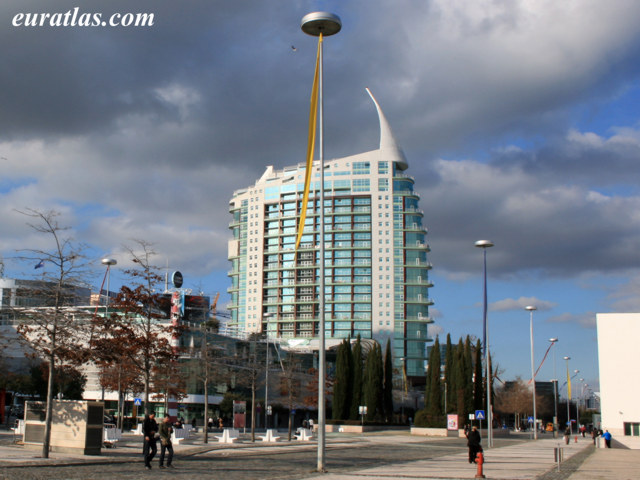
[321, 24]
[555, 390]
[568, 393]
[530, 309]
[265, 319]
[578, 408]
[484, 244]
[108, 262]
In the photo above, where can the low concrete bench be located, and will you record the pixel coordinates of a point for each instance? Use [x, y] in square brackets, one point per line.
[229, 435]
[111, 435]
[304, 434]
[271, 436]
[179, 434]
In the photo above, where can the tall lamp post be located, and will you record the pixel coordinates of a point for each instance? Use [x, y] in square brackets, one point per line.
[484, 244]
[266, 317]
[530, 309]
[578, 407]
[555, 389]
[109, 262]
[321, 24]
[568, 394]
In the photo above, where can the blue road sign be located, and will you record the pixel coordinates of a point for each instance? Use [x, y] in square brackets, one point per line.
[530, 419]
[479, 414]
[137, 402]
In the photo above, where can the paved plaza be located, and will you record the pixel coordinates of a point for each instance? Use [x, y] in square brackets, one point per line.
[381, 456]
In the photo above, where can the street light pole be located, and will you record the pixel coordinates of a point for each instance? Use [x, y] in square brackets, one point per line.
[568, 395]
[321, 24]
[531, 309]
[484, 244]
[108, 262]
[555, 390]
[578, 408]
[266, 317]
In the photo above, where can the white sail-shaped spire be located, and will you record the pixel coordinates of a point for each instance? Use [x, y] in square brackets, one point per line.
[388, 142]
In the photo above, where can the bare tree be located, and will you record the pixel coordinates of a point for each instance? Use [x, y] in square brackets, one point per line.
[209, 365]
[291, 379]
[516, 398]
[138, 323]
[247, 367]
[52, 330]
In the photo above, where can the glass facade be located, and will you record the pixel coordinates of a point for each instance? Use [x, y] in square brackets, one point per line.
[375, 261]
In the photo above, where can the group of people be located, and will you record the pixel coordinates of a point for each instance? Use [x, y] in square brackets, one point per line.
[152, 432]
[211, 423]
[595, 433]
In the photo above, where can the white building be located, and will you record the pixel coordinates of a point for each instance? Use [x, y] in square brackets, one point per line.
[619, 358]
[375, 262]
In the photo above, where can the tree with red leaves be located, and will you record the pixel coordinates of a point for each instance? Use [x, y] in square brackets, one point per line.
[137, 328]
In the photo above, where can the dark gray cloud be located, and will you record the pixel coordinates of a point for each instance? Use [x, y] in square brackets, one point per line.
[147, 131]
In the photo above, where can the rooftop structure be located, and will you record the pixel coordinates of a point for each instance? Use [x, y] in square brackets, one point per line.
[375, 263]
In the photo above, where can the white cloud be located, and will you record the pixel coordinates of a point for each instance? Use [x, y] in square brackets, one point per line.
[584, 320]
[509, 304]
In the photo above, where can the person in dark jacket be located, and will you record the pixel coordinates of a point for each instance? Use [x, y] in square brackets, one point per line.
[149, 431]
[473, 442]
[165, 431]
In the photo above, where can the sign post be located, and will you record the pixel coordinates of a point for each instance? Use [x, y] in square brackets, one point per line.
[479, 414]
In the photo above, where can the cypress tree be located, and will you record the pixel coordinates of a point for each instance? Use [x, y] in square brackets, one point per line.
[459, 375]
[341, 385]
[478, 391]
[357, 370]
[373, 382]
[449, 378]
[468, 378]
[433, 394]
[388, 383]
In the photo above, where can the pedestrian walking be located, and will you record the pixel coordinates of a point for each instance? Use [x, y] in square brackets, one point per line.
[165, 431]
[149, 430]
[221, 423]
[567, 435]
[607, 439]
[473, 442]
[594, 435]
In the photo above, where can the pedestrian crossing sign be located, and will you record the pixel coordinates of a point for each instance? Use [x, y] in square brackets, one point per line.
[479, 414]
[530, 419]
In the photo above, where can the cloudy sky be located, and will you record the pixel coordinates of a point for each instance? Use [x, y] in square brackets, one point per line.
[519, 120]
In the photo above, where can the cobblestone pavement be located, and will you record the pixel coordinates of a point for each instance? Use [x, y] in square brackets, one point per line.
[380, 456]
[283, 462]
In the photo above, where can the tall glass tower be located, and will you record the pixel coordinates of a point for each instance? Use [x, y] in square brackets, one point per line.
[376, 266]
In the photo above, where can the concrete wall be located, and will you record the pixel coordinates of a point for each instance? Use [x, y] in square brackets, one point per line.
[619, 360]
[76, 426]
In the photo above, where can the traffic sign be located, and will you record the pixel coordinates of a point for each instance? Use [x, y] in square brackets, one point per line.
[530, 419]
[480, 415]
[137, 402]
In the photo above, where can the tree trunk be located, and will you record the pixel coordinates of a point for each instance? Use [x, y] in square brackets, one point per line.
[290, 408]
[206, 410]
[48, 419]
[253, 410]
[119, 420]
